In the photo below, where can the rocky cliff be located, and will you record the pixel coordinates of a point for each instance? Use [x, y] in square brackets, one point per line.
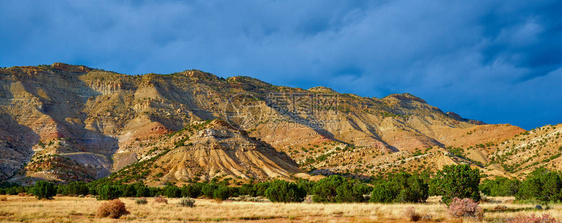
[67, 122]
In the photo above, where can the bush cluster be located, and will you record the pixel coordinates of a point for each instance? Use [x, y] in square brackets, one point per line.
[456, 181]
[113, 209]
[452, 181]
[402, 188]
[466, 207]
[500, 187]
[542, 185]
[283, 191]
[44, 190]
[336, 189]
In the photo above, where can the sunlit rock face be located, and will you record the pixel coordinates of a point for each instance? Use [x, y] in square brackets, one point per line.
[65, 122]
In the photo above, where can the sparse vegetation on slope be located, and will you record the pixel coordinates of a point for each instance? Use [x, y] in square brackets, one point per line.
[99, 122]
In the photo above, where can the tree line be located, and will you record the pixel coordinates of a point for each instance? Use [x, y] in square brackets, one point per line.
[541, 185]
[452, 181]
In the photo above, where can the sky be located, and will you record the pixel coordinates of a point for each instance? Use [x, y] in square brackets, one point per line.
[495, 61]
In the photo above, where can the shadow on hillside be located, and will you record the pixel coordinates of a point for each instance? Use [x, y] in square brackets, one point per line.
[17, 143]
[63, 97]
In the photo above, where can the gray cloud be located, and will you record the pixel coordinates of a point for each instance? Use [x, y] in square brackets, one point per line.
[490, 60]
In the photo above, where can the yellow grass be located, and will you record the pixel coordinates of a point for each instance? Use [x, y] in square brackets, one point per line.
[72, 209]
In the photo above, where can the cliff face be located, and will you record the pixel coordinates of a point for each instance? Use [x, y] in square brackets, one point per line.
[66, 122]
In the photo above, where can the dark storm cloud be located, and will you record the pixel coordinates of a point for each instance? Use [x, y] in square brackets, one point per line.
[498, 61]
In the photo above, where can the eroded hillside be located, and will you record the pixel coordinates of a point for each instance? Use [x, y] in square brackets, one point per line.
[66, 122]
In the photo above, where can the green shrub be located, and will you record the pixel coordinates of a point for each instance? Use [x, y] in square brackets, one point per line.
[352, 191]
[142, 191]
[542, 185]
[172, 191]
[283, 191]
[74, 189]
[260, 188]
[11, 191]
[44, 190]
[383, 193]
[108, 192]
[247, 189]
[338, 189]
[209, 189]
[307, 185]
[458, 181]
[402, 187]
[193, 190]
[127, 190]
[415, 190]
[224, 192]
[500, 187]
[325, 190]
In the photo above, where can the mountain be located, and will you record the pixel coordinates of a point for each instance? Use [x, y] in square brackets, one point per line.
[520, 155]
[210, 149]
[67, 122]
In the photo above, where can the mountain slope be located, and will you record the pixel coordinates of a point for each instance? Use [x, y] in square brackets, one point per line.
[71, 122]
[520, 155]
[211, 149]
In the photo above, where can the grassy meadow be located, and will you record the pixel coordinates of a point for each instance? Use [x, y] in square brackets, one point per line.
[74, 209]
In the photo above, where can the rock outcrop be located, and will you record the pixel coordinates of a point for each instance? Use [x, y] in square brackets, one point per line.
[65, 118]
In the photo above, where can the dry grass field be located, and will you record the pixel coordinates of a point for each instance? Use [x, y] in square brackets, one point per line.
[73, 209]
